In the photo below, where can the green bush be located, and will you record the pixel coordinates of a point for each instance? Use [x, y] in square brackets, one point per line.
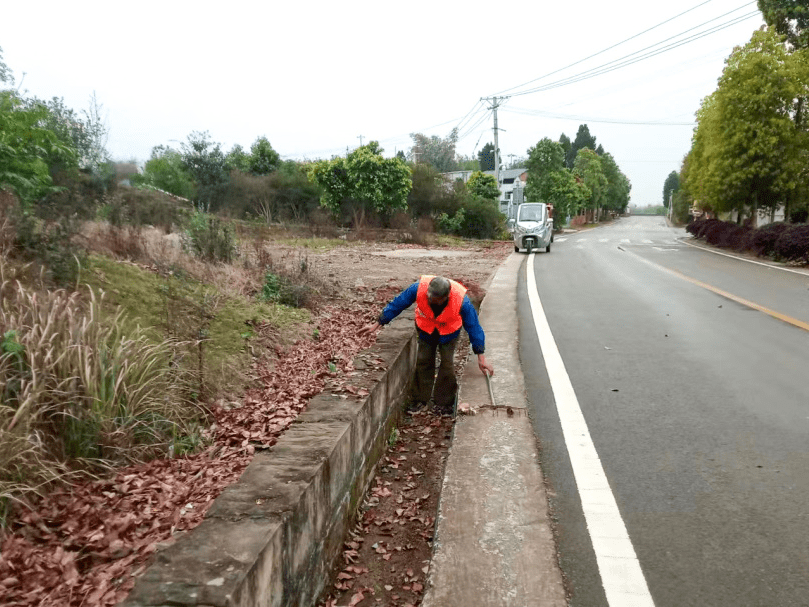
[481, 219]
[450, 225]
[283, 290]
[210, 238]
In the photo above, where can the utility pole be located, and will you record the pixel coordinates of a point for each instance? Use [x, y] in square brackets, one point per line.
[360, 138]
[511, 158]
[495, 103]
[671, 205]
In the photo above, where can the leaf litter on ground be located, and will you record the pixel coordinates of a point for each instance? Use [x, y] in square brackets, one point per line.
[84, 545]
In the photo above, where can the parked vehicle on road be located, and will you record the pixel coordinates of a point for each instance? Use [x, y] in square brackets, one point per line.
[533, 227]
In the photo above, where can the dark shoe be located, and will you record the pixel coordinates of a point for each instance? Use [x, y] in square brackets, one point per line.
[443, 410]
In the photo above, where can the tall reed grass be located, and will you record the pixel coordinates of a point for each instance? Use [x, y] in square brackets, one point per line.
[78, 395]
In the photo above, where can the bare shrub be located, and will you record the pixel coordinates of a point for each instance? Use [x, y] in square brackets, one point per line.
[292, 280]
[426, 224]
[323, 224]
[400, 221]
[124, 242]
[252, 194]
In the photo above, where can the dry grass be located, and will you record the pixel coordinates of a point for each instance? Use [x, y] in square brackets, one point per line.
[76, 394]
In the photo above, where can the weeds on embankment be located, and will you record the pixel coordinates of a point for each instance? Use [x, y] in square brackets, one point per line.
[78, 395]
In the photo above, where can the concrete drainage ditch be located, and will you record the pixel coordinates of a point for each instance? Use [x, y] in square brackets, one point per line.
[271, 538]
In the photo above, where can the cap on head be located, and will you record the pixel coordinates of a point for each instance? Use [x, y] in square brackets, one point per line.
[439, 288]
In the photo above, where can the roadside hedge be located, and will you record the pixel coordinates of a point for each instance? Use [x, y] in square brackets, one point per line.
[779, 241]
[793, 244]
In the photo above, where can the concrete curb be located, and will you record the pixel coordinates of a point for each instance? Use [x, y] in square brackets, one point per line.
[271, 538]
[494, 543]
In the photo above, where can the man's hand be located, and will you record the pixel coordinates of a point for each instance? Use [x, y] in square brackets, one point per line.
[368, 329]
[485, 367]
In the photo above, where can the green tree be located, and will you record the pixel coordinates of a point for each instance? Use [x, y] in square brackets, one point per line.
[85, 131]
[237, 159]
[564, 141]
[616, 196]
[483, 186]
[295, 196]
[583, 140]
[588, 167]
[263, 158]
[6, 75]
[430, 195]
[205, 162]
[748, 152]
[486, 157]
[790, 18]
[671, 185]
[27, 149]
[365, 181]
[165, 171]
[467, 163]
[436, 151]
[544, 159]
[550, 181]
[567, 193]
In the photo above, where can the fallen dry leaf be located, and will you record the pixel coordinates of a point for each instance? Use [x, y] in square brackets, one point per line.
[357, 598]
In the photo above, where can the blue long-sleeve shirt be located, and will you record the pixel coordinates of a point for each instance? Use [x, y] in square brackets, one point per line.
[469, 317]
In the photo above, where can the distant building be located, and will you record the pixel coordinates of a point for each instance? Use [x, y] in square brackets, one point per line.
[509, 180]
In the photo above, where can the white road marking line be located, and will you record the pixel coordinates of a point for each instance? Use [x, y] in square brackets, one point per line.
[618, 565]
[645, 241]
[560, 239]
[758, 263]
[603, 240]
[625, 240]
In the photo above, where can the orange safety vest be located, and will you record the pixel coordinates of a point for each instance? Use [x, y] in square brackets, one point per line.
[450, 319]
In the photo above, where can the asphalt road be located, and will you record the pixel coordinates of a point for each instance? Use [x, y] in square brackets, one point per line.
[697, 405]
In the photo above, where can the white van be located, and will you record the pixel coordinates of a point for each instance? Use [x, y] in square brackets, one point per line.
[533, 228]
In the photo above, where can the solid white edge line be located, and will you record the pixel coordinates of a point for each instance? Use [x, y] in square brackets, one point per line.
[758, 263]
[618, 565]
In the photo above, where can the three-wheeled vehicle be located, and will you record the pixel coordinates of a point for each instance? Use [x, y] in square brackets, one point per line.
[533, 227]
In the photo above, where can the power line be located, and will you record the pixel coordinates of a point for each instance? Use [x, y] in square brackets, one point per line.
[468, 115]
[464, 123]
[606, 49]
[472, 128]
[529, 112]
[634, 57]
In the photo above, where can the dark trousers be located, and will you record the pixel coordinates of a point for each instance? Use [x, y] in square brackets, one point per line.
[446, 385]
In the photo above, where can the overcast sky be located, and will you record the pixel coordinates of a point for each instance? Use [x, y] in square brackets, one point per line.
[315, 76]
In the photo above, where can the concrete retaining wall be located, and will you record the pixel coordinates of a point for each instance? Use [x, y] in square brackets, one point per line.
[271, 538]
